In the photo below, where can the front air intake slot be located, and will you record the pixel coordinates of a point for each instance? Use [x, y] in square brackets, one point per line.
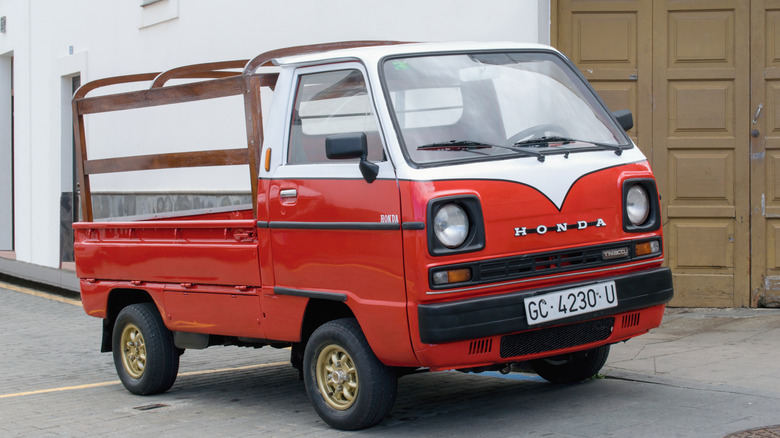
[481, 346]
[630, 320]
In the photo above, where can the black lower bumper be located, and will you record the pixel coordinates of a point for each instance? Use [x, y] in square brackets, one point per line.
[500, 314]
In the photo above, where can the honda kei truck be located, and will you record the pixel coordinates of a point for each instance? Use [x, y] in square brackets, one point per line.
[412, 207]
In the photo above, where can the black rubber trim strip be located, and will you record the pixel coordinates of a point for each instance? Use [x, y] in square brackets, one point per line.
[262, 224]
[310, 294]
[357, 226]
[502, 314]
[413, 225]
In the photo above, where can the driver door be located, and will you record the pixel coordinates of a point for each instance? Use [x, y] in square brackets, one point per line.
[334, 235]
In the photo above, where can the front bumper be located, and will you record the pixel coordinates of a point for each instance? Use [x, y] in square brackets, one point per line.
[495, 315]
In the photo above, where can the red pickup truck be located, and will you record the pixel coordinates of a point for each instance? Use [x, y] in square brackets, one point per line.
[415, 207]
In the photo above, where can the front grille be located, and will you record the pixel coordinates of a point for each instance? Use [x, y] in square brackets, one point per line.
[544, 263]
[556, 338]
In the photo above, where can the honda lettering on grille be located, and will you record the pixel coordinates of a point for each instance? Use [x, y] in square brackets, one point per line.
[559, 228]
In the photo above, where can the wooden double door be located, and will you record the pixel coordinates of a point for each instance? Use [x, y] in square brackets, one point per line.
[702, 78]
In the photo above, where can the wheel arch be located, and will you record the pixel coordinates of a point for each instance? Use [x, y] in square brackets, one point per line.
[118, 299]
[319, 312]
[384, 324]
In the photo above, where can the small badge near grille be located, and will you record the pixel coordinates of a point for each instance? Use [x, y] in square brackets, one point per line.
[616, 253]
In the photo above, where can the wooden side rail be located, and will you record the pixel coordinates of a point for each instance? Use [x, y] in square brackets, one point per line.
[99, 83]
[162, 96]
[219, 157]
[208, 70]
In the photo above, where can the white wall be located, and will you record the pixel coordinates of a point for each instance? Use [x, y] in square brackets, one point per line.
[109, 38]
[15, 41]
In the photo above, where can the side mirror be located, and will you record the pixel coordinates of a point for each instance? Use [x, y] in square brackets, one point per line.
[353, 145]
[624, 118]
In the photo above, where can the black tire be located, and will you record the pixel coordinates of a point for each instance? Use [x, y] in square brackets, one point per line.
[145, 357]
[573, 367]
[348, 386]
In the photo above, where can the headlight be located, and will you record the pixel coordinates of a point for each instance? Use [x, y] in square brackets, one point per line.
[637, 204]
[451, 225]
[455, 225]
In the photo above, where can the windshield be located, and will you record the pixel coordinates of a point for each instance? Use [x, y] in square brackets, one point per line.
[495, 105]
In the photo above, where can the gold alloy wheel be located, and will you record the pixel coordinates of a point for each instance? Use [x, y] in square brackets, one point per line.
[337, 377]
[133, 351]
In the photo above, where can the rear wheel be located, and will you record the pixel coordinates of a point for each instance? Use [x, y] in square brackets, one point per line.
[145, 357]
[348, 386]
[572, 367]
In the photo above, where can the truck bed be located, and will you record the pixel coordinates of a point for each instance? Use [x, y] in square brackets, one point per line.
[213, 248]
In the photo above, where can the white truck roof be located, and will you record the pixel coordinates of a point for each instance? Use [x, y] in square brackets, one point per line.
[374, 53]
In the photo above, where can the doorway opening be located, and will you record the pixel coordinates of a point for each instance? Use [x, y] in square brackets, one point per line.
[7, 155]
[69, 196]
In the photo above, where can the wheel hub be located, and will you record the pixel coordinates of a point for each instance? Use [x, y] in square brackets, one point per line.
[133, 351]
[337, 377]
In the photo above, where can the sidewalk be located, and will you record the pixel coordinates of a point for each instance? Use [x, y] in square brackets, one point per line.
[714, 349]
[710, 346]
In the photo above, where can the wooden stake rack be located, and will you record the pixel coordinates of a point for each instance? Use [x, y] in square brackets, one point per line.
[219, 79]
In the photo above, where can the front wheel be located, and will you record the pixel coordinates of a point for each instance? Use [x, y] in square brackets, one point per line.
[348, 386]
[145, 356]
[572, 367]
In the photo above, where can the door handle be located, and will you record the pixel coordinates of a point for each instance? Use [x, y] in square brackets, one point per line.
[758, 113]
[288, 195]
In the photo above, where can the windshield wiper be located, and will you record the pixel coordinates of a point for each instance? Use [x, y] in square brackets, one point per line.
[454, 145]
[467, 145]
[545, 141]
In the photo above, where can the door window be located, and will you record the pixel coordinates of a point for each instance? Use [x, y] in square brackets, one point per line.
[328, 103]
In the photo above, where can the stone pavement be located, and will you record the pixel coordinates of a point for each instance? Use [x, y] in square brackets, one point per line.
[703, 373]
[715, 350]
[717, 347]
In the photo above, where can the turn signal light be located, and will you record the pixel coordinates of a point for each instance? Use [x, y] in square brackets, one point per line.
[452, 276]
[267, 160]
[646, 248]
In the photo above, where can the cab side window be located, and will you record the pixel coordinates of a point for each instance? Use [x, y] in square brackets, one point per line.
[334, 102]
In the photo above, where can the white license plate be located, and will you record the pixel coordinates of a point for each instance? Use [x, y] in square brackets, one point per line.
[570, 302]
